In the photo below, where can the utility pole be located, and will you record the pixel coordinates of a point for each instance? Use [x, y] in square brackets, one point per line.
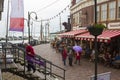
[41, 30]
[45, 31]
[7, 22]
[48, 30]
[31, 29]
[60, 23]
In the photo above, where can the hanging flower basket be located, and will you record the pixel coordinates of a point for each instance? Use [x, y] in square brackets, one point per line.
[96, 29]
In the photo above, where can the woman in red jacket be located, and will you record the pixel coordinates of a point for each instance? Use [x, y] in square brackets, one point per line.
[64, 55]
[31, 54]
[78, 56]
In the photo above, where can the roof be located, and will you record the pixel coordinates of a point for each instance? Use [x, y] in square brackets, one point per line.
[72, 34]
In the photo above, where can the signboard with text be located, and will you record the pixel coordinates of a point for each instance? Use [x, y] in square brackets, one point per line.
[102, 76]
[114, 25]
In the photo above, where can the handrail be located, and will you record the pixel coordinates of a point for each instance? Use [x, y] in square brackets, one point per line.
[48, 67]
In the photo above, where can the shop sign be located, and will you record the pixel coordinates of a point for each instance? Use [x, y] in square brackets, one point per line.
[114, 25]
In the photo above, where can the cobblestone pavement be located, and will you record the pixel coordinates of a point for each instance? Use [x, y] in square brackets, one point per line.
[76, 72]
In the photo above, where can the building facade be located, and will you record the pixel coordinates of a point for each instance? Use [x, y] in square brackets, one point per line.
[1, 7]
[82, 13]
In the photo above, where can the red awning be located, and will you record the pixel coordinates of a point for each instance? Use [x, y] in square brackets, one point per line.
[72, 34]
[106, 36]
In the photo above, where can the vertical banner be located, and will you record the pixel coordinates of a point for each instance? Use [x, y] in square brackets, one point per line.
[17, 15]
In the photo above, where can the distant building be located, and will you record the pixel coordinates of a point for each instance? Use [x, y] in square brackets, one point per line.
[82, 13]
[1, 7]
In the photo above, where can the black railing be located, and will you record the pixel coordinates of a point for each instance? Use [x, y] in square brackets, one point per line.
[19, 55]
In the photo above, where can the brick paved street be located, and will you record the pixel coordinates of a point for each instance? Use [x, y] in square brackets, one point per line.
[76, 72]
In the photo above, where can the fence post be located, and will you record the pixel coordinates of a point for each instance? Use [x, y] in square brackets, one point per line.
[0, 75]
[24, 63]
[64, 74]
[50, 68]
[45, 71]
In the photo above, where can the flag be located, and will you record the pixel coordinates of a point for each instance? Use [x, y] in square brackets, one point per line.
[17, 15]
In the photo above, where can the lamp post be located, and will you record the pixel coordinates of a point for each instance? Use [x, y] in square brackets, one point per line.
[7, 22]
[24, 28]
[29, 17]
[95, 40]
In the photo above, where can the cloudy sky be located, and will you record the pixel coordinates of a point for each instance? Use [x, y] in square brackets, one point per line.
[45, 9]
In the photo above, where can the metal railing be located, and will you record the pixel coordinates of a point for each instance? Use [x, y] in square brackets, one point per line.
[19, 54]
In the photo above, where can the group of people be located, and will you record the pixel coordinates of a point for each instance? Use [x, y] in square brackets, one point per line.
[67, 52]
[106, 57]
[70, 53]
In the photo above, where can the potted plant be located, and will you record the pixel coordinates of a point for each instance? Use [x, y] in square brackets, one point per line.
[96, 29]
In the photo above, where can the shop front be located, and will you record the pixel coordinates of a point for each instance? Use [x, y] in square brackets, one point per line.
[69, 37]
[109, 40]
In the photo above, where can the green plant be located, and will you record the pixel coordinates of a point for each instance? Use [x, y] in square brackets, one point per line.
[96, 29]
[99, 25]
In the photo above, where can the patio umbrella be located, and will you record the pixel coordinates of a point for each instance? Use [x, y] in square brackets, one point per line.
[77, 48]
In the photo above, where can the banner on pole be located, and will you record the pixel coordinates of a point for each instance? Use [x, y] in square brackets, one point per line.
[17, 15]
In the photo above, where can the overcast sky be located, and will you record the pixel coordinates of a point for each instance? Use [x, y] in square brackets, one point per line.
[45, 9]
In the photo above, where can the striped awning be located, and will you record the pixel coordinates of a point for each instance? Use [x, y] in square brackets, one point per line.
[106, 36]
[73, 33]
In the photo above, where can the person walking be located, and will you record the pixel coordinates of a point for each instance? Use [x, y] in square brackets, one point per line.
[78, 56]
[64, 55]
[70, 57]
[30, 54]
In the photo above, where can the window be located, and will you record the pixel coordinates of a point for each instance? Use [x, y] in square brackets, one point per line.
[80, 19]
[98, 13]
[73, 19]
[76, 18]
[112, 10]
[118, 9]
[103, 12]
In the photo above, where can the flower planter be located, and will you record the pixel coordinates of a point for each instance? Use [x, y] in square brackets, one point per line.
[96, 29]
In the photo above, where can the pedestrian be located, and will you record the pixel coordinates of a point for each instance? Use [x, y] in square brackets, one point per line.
[70, 57]
[30, 54]
[64, 55]
[78, 56]
[92, 55]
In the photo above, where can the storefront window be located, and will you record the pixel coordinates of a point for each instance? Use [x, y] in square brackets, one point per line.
[112, 10]
[104, 12]
[119, 9]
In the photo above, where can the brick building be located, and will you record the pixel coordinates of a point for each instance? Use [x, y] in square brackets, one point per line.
[108, 13]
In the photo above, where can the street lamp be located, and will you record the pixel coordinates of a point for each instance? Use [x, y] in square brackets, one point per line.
[96, 53]
[29, 13]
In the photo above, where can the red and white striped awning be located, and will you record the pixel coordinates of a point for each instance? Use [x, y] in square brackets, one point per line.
[106, 36]
[72, 34]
